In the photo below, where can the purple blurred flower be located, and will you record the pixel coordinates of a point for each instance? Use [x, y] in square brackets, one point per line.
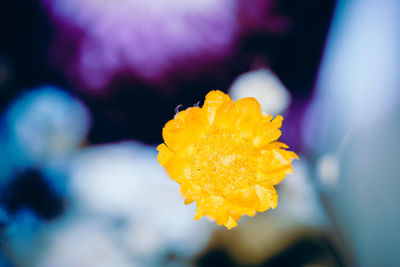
[148, 38]
[152, 41]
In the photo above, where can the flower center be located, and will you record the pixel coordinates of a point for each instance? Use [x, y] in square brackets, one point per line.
[223, 163]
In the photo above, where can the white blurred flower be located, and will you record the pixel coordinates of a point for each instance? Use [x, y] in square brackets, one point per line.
[125, 181]
[265, 87]
[82, 243]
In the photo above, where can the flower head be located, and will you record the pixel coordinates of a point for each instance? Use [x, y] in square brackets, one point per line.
[225, 157]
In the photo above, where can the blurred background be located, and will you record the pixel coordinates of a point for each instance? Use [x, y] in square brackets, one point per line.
[86, 87]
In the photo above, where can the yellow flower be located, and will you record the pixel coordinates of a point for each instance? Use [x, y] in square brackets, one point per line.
[225, 157]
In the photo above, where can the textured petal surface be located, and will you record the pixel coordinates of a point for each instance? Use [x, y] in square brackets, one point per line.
[248, 116]
[164, 154]
[267, 131]
[226, 157]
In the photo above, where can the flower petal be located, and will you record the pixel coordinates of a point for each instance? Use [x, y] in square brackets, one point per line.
[266, 195]
[189, 201]
[195, 123]
[267, 131]
[231, 223]
[214, 207]
[272, 178]
[164, 154]
[181, 132]
[248, 112]
[246, 198]
[214, 100]
[175, 133]
[178, 168]
[190, 190]
[225, 117]
[274, 165]
[237, 211]
[274, 145]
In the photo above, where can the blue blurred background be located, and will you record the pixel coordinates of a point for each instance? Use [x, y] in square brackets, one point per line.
[86, 87]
